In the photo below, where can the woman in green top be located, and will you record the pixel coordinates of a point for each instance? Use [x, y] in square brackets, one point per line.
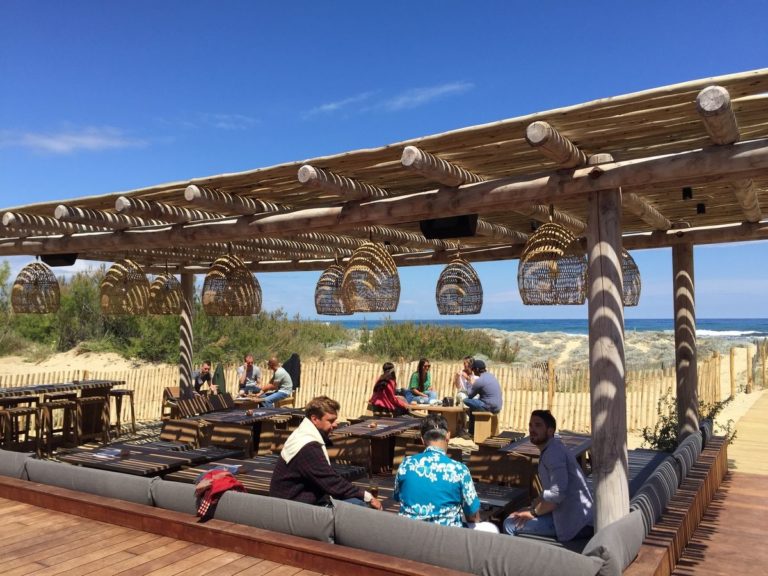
[419, 387]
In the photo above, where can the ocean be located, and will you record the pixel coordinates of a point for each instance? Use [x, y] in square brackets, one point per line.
[709, 327]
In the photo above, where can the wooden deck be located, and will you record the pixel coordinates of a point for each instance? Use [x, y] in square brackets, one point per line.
[40, 541]
[731, 537]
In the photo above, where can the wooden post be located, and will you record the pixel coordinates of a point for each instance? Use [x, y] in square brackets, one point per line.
[186, 336]
[733, 372]
[685, 340]
[550, 383]
[750, 379]
[761, 346]
[606, 358]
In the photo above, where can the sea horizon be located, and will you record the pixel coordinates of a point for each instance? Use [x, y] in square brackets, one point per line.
[705, 327]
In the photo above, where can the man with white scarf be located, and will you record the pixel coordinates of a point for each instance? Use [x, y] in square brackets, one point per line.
[304, 473]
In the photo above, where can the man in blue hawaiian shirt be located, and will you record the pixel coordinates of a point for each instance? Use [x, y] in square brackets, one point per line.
[431, 486]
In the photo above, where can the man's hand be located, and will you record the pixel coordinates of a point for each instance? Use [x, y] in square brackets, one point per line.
[375, 503]
[521, 517]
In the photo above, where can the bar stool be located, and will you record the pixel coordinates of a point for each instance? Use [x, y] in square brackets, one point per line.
[83, 402]
[13, 431]
[67, 403]
[118, 394]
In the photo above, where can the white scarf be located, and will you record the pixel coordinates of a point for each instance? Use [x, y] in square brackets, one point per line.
[303, 435]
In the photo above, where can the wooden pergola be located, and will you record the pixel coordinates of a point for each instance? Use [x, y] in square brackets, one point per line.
[675, 166]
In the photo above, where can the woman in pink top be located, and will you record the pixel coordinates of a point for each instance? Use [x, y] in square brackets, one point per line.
[384, 392]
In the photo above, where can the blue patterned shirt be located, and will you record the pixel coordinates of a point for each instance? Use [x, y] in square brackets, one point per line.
[431, 486]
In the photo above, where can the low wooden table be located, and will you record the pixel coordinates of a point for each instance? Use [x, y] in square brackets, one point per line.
[380, 434]
[577, 444]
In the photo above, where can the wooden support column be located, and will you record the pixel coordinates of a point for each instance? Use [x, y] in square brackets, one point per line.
[186, 336]
[606, 358]
[685, 341]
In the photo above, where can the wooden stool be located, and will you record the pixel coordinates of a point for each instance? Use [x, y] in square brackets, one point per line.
[27, 401]
[13, 430]
[84, 402]
[69, 425]
[486, 425]
[118, 394]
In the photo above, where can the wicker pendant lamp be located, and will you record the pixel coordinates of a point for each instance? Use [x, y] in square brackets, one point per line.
[230, 289]
[165, 295]
[458, 289]
[631, 283]
[329, 299]
[35, 290]
[552, 271]
[371, 282]
[124, 290]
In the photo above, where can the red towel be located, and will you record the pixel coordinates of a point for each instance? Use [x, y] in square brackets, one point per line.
[213, 484]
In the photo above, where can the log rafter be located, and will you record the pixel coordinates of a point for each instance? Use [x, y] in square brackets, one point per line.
[724, 163]
[319, 179]
[33, 224]
[161, 210]
[547, 140]
[714, 106]
[448, 174]
[101, 218]
[230, 203]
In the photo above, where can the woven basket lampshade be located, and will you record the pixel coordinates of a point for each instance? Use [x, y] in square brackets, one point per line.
[124, 290]
[230, 289]
[630, 279]
[458, 289]
[371, 282]
[165, 295]
[35, 290]
[551, 270]
[329, 299]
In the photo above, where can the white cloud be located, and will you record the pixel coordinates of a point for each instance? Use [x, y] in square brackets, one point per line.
[92, 139]
[331, 107]
[419, 96]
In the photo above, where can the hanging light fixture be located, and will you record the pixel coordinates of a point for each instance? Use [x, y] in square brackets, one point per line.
[631, 284]
[458, 289]
[329, 299]
[230, 289]
[371, 282]
[35, 290]
[165, 295]
[124, 289]
[552, 270]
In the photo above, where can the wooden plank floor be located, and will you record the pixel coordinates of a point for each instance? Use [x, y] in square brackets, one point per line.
[43, 542]
[732, 536]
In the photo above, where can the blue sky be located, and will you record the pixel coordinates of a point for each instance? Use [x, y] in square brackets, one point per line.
[99, 96]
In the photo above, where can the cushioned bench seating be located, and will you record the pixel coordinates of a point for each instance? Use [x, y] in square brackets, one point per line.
[607, 553]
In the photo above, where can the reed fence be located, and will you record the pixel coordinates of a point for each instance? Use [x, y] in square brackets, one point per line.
[525, 387]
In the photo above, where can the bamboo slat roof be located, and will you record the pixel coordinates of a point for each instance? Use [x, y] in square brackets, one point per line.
[652, 123]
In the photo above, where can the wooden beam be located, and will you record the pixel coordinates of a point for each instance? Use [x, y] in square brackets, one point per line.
[714, 106]
[33, 224]
[161, 210]
[746, 196]
[436, 169]
[685, 341]
[347, 188]
[738, 161]
[100, 218]
[230, 203]
[606, 359]
[448, 174]
[553, 145]
[646, 211]
[485, 228]
[402, 236]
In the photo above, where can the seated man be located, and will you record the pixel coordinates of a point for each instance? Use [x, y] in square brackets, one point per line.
[431, 486]
[248, 376]
[484, 395]
[281, 385]
[304, 473]
[202, 376]
[564, 509]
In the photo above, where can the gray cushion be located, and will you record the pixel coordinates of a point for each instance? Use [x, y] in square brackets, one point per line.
[685, 456]
[278, 515]
[618, 543]
[175, 496]
[707, 431]
[13, 464]
[458, 548]
[100, 482]
[654, 495]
